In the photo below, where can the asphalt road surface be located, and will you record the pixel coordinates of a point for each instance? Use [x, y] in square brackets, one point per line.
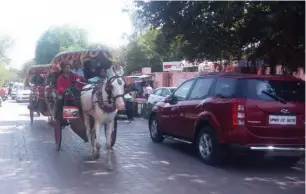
[29, 164]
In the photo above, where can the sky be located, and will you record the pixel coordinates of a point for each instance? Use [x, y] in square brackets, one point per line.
[26, 20]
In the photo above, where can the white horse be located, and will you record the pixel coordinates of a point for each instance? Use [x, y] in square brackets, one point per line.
[102, 104]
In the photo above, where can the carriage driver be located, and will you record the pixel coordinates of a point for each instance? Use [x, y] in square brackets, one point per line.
[64, 81]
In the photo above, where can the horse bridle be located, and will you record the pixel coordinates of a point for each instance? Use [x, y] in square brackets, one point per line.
[109, 87]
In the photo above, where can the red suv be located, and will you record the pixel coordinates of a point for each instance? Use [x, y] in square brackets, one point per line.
[219, 111]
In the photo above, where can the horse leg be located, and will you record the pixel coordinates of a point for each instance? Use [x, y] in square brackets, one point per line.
[108, 145]
[109, 127]
[97, 139]
[88, 131]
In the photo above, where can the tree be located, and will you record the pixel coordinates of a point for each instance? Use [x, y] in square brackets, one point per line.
[5, 73]
[149, 50]
[274, 31]
[58, 39]
[97, 46]
[5, 43]
[25, 67]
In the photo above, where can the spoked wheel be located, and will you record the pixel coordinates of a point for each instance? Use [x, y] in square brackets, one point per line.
[50, 117]
[58, 134]
[31, 116]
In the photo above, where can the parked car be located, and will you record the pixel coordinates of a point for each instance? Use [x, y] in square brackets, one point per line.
[22, 93]
[219, 112]
[160, 94]
[14, 89]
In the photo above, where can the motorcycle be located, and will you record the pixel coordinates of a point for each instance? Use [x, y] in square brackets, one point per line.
[3, 94]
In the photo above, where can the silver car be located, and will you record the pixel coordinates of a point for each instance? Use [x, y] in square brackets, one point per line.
[160, 94]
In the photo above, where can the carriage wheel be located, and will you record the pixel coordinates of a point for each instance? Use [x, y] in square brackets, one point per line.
[50, 117]
[58, 134]
[31, 116]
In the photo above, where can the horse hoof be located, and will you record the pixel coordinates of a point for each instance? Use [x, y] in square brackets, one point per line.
[98, 146]
[97, 155]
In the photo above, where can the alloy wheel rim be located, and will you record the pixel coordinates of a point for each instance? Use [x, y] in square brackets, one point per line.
[205, 145]
[154, 128]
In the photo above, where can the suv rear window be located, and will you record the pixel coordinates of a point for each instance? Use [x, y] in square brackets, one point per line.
[226, 87]
[269, 90]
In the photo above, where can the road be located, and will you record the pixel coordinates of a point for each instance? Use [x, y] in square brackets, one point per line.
[30, 164]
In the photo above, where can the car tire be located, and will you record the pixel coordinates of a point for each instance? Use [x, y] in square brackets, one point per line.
[208, 147]
[155, 133]
[286, 161]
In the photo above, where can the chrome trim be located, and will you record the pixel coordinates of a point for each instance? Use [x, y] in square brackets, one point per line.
[285, 111]
[271, 148]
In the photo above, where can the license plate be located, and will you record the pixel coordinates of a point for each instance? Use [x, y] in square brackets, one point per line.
[70, 112]
[282, 120]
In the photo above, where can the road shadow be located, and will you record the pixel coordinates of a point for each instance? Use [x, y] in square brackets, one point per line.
[238, 162]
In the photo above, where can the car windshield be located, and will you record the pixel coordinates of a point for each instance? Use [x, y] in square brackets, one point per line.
[172, 90]
[276, 90]
[21, 87]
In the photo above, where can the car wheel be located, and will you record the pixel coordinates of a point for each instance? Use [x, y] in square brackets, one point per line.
[286, 161]
[155, 134]
[208, 148]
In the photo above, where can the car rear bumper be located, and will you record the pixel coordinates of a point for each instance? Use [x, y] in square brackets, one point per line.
[242, 136]
[277, 148]
[272, 150]
[26, 98]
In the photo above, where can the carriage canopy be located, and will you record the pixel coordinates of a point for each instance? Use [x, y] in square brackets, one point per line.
[41, 70]
[101, 56]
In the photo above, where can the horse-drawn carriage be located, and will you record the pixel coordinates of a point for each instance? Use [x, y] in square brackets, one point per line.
[86, 107]
[42, 93]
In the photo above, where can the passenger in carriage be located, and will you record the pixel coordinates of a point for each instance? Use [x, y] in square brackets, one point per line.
[64, 82]
[37, 79]
[54, 74]
[90, 69]
[77, 68]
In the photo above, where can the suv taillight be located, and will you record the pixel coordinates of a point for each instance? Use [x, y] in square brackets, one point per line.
[238, 112]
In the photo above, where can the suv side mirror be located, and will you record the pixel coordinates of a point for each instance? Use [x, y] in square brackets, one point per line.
[171, 99]
[168, 99]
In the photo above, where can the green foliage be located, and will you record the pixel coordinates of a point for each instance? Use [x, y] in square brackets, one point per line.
[58, 39]
[5, 43]
[97, 46]
[274, 31]
[8, 74]
[25, 67]
[3, 74]
[150, 49]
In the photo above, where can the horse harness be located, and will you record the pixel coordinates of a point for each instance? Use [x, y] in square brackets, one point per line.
[107, 106]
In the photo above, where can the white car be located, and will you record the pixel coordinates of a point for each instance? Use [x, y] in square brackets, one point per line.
[160, 94]
[14, 89]
[22, 93]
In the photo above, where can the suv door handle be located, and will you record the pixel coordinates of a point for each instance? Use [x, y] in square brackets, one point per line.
[174, 108]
